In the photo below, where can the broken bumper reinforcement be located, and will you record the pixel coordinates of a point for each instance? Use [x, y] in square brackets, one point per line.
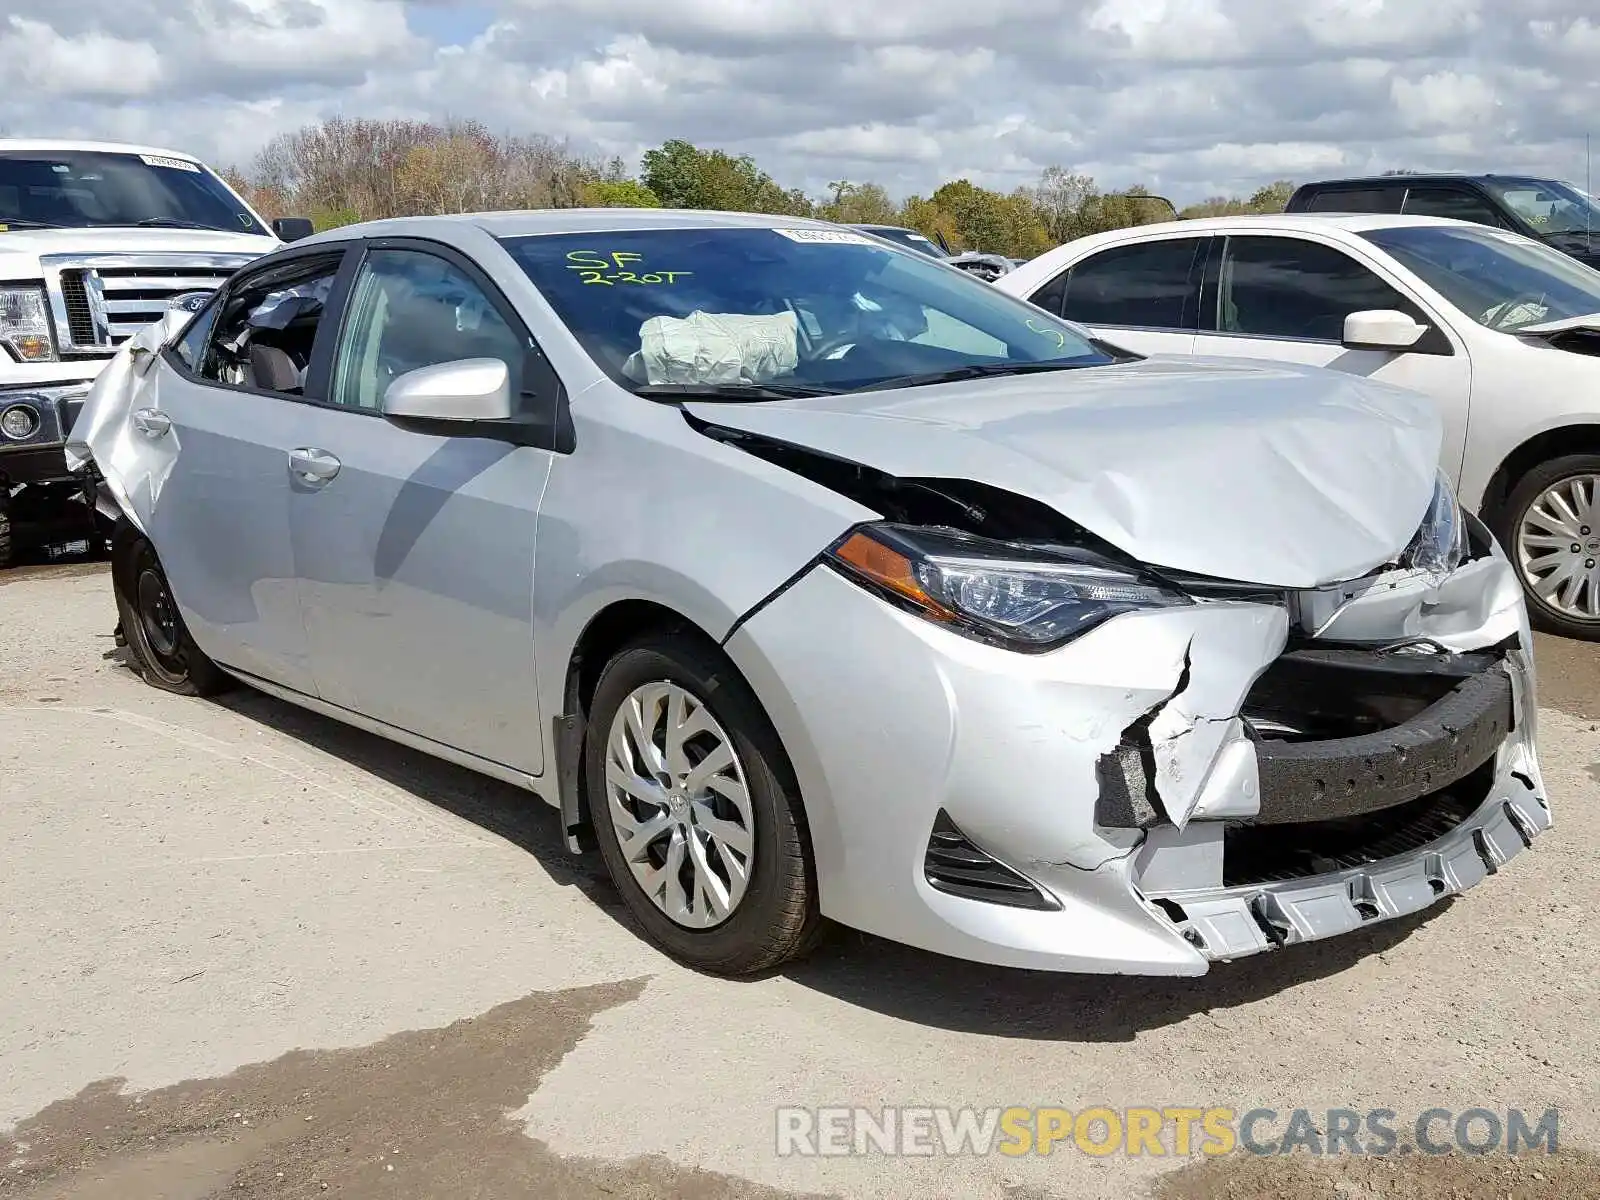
[1235, 922]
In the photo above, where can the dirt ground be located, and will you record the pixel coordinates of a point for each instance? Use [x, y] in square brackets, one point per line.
[248, 952]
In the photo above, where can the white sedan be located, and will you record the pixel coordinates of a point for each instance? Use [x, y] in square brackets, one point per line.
[1502, 332]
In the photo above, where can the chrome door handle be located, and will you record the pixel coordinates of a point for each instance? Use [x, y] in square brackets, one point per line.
[152, 422]
[313, 465]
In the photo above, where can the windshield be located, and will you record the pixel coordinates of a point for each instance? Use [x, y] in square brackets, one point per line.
[1553, 209]
[804, 310]
[1500, 280]
[909, 238]
[83, 188]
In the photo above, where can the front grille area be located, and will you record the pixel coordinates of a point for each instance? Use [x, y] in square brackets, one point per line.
[955, 866]
[1255, 854]
[99, 302]
[80, 320]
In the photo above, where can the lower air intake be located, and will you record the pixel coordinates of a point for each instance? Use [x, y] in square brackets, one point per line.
[955, 866]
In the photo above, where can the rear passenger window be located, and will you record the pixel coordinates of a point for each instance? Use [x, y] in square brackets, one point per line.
[1451, 202]
[1352, 200]
[266, 326]
[1147, 285]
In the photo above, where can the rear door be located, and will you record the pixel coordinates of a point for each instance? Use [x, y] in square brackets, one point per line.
[415, 550]
[218, 429]
[1284, 297]
[1142, 295]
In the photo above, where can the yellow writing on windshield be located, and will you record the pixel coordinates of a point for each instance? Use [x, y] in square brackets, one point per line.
[1061, 338]
[616, 266]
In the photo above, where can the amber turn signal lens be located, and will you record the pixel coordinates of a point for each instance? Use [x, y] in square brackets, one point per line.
[32, 347]
[889, 569]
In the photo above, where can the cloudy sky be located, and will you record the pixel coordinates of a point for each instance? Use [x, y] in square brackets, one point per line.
[1192, 97]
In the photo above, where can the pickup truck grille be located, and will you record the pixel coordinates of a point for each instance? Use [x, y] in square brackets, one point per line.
[100, 301]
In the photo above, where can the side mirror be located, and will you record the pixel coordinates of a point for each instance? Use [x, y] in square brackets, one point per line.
[1381, 329]
[292, 229]
[467, 390]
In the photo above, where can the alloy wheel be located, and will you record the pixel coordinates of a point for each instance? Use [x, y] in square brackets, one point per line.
[679, 804]
[1558, 547]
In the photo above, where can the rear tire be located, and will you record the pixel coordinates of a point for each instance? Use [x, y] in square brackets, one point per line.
[163, 653]
[752, 851]
[1549, 527]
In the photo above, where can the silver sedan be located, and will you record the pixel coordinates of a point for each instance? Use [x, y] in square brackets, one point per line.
[808, 579]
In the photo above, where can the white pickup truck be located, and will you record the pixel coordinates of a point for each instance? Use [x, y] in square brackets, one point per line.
[96, 240]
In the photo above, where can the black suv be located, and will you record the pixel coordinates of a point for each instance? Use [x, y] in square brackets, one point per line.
[1547, 209]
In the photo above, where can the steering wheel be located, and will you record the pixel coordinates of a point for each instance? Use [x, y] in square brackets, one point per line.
[1515, 303]
[827, 346]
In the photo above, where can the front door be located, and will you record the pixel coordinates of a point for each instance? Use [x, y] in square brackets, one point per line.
[1285, 298]
[217, 429]
[415, 551]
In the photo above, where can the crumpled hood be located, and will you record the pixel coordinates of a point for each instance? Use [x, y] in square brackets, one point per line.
[1257, 472]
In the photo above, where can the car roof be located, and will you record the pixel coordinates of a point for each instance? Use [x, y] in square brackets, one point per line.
[1318, 222]
[895, 228]
[532, 222]
[1428, 177]
[69, 146]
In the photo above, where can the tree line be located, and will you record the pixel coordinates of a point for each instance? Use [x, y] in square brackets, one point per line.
[346, 169]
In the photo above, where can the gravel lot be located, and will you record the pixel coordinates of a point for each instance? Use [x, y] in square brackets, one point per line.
[247, 951]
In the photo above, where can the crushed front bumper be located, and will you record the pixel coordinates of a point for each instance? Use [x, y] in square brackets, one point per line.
[957, 793]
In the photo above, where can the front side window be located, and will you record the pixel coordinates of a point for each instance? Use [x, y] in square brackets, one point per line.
[1456, 203]
[267, 325]
[408, 310]
[85, 188]
[820, 310]
[1291, 288]
[1147, 285]
[1501, 280]
[1551, 208]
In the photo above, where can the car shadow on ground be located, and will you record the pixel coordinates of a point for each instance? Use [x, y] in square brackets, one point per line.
[856, 968]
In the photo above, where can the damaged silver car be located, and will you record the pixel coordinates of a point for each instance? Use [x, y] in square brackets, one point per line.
[810, 580]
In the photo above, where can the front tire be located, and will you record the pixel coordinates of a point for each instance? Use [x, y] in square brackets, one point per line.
[696, 810]
[163, 652]
[1550, 529]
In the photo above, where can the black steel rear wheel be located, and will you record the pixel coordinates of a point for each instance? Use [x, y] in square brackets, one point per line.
[162, 650]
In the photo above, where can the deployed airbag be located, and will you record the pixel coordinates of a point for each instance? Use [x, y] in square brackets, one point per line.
[716, 348]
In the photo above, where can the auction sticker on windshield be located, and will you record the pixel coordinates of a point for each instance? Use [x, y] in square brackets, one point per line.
[177, 164]
[838, 237]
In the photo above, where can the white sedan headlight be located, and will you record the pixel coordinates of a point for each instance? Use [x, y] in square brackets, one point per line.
[1022, 597]
[1440, 544]
[25, 324]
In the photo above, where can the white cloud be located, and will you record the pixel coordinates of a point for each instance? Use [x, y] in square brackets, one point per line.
[35, 58]
[1193, 97]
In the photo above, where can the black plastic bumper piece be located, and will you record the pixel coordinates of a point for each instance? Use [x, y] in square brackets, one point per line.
[1353, 776]
[1320, 780]
[955, 866]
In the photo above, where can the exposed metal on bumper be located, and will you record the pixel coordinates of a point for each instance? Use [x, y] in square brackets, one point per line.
[1346, 777]
[1236, 922]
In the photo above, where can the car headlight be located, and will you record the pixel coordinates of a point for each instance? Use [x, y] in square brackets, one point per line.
[25, 324]
[1023, 597]
[1440, 544]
